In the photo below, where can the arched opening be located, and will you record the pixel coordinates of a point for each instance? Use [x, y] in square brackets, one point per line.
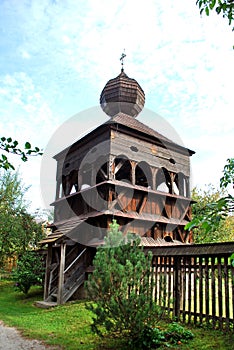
[180, 184]
[123, 169]
[168, 239]
[70, 183]
[143, 175]
[163, 181]
[60, 189]
[85, 176]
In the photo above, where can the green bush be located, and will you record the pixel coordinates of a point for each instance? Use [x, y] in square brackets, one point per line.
[153, 338]
[29, 271]
[120, 287]
[149, 338]
[176, 333]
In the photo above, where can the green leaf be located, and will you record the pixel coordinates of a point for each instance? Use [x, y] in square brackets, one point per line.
[218, 10]
[212, 4]
[207, 11]
[9, 139]
[232, 259]
[27, 145]
[200, 3]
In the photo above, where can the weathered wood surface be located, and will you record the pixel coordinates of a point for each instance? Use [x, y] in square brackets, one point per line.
[202, 284]
[155, 156]
[61, 273]
[211, 249]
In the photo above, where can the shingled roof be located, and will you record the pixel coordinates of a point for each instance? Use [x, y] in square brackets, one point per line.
[133, 123]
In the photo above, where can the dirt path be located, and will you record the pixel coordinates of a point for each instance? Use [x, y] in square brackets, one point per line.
[11, 339]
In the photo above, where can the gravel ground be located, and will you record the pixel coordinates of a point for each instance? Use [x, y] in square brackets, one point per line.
[11, 339]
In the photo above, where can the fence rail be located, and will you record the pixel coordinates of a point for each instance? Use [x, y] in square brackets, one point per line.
[195, 283]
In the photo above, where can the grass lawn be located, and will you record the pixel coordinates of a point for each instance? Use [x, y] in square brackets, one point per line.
[68, 326]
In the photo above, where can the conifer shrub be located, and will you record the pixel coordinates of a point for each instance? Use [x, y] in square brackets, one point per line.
[120, 288]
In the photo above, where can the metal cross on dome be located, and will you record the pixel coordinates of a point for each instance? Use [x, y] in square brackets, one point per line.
[122, 59]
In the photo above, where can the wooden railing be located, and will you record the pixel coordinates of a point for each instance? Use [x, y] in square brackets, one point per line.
[195, 283]
[75, 260]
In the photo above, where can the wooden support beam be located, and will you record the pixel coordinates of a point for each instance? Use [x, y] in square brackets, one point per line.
[133, 164]
[167, 208]
[118, 200]
[47, 273]
[125, 230]
[186, 236]
[104, 175]
[111, 168]
[119, 165]
[61, 273]
[180, 234]
[143, 203]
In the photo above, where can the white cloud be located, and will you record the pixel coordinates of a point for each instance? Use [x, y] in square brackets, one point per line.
[59, 55]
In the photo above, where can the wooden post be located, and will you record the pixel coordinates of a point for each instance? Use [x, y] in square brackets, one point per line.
[133, 164]
[61, 274]
[111, 168]
[47, 273]
[177, 287]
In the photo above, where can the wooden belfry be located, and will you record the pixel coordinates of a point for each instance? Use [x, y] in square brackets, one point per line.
[124, 170]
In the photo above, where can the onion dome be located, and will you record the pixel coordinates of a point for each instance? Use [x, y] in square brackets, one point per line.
[122, 94]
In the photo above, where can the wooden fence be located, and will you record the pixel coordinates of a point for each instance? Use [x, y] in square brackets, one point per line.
[195, 283]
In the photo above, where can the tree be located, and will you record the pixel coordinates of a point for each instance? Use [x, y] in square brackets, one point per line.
[228, 174]
[18, 229]
[211, 222]
[29, 271]
[7, 145]
[120, 287]
[224, 7]
[212, 213]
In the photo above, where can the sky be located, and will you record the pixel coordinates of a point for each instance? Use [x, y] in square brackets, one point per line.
[56, 57]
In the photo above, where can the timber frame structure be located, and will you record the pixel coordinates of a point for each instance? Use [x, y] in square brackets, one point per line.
[124, 170]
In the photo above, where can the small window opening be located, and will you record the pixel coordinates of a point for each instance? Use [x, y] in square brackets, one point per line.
[134, 148]
[163, 181]
[123, 169]
[168, 239]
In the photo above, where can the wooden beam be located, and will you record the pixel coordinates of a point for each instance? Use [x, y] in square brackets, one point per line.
[180, 234]
[119, 165]
[118, 200]
[47, 273]
[143, 203]
[126, 228]
[104, 175]
[61, 273]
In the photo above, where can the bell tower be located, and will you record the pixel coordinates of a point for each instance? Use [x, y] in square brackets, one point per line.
[124, 170]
